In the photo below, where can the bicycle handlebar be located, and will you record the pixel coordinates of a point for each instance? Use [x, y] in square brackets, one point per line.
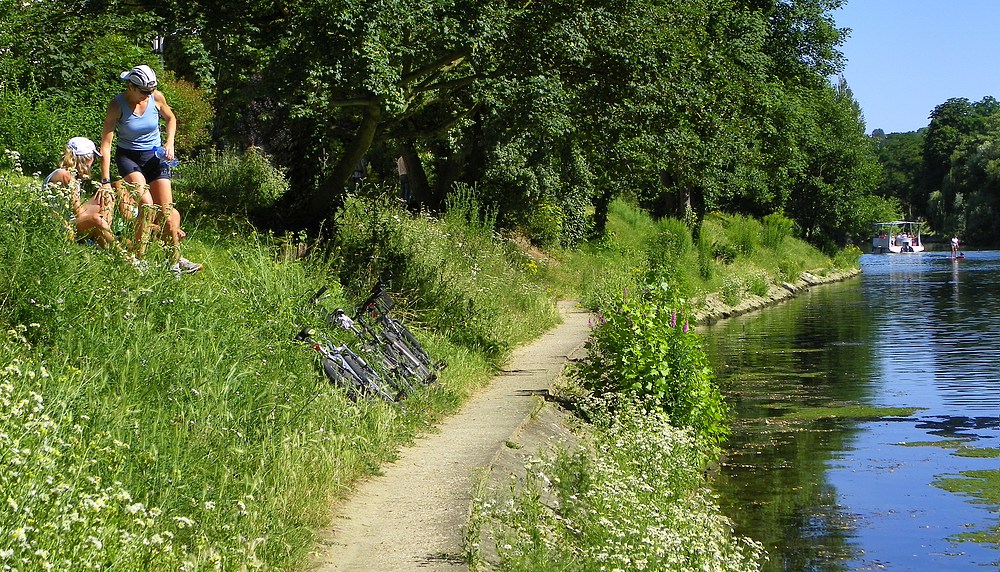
[319, 295]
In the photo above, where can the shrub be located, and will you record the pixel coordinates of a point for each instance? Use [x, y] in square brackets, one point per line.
[38, 129]
[776, 228]
[705, 257]
[193, 108]
[545, 225]
[789, 270]
[758, 283]
[733, 289]
[744, 233]
[230, 182]
[463, 208]
[848, 257]
[724, 253]
[643, 349]
[633, 500]
[670, 254]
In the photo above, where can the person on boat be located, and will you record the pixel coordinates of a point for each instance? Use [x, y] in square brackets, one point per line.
[954, 246]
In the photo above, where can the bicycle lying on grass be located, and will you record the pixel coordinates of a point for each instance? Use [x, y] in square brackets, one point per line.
[377, 324]
[402, 361]
[348, 370]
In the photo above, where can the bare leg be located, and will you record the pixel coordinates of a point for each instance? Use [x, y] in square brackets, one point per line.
[142, 223]
[163, 196]
[91, 224]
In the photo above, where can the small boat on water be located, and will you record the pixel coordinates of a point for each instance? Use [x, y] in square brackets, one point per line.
[897, 237]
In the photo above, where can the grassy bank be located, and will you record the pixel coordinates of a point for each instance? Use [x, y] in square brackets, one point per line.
[633, 495]
[154, 423]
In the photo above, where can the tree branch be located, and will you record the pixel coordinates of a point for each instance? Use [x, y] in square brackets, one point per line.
[355, 102]
[447, 85]
[441, 64]
[418, 133]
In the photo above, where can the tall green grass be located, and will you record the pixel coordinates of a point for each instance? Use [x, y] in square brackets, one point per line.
[152, 423]
[175, 424]
[734, 254]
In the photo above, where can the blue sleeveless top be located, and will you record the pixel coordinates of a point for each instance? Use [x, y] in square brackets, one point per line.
[138, 132]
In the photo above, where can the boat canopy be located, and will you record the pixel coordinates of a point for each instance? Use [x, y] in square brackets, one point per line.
[898, 223]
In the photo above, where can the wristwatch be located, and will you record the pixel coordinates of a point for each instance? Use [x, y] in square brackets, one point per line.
[105, 181]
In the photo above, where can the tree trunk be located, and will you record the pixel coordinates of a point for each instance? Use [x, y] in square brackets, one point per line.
[331, 191]
[601, 204]
[416, 174]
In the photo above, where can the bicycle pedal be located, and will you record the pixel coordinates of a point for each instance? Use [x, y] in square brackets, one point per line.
[440, 364]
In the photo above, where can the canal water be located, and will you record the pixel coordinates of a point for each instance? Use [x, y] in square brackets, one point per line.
[814, 471]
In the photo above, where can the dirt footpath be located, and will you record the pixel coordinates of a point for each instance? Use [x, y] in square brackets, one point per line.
[413, 516]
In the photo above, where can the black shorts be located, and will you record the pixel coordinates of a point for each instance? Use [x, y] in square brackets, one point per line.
[145, 162]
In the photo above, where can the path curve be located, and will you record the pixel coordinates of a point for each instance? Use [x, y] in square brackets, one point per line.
[413, 516]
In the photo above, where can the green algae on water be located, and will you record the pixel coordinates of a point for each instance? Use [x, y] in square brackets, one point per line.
[856, 412]
[982, 487]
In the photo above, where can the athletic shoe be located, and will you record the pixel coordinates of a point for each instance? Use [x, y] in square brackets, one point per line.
[185, 266]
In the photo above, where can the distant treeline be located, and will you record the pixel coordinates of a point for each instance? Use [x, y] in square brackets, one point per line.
[547, 109]
[948, 173]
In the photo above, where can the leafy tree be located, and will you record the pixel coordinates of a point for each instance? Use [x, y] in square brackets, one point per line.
[955, 136]
[901, 157]
[969, 201]
[841, 170]
[57, 75]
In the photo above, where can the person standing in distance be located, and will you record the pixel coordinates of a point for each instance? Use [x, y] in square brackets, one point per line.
[134, 115]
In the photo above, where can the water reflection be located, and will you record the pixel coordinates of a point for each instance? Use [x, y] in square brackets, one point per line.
[913, 331]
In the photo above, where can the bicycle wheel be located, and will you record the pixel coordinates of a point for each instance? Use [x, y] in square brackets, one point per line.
[337, 373]
[412, 343]
[396, 370]
[412, 361]
[366, 376]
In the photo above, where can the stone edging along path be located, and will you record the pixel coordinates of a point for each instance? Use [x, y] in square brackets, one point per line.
[413, 517]
[712, 308]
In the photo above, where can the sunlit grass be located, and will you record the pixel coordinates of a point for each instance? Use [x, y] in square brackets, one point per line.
[182, 415]
[184, 407]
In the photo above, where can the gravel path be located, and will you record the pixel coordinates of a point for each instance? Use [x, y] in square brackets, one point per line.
[413, 516]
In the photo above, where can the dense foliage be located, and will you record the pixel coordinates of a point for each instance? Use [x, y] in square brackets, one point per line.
[150, 423]
[634, 500]
[642, 349]
[547, 110]
[947, 172]
[165, 424]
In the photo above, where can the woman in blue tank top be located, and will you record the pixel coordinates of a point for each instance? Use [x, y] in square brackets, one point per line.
[134, 115]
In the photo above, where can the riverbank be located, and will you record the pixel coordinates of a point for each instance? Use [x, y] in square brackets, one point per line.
[551, 429]
[712, 307]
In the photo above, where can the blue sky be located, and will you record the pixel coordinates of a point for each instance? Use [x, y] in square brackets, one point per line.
[904, 57]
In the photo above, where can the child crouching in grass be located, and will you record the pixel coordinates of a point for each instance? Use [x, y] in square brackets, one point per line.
[95, 219]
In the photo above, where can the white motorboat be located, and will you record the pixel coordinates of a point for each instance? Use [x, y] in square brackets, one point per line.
[897, 237]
